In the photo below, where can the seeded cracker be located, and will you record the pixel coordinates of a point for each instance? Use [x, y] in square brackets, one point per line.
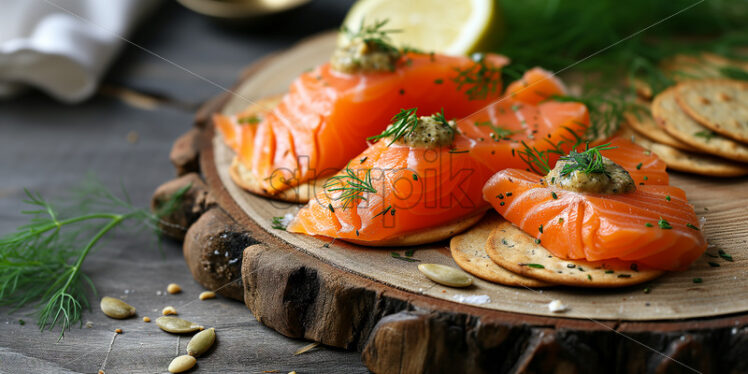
[469, 252]
[677, 123]
[720, 105]
[513, 249]
[696, 163]
[643, 123]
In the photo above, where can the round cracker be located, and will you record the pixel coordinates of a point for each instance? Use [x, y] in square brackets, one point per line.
[469, 252]
[720, 105]
[513, 249]
[696, 163]
[677, 123]
[425, 236]
[645, 125]
[296, 194]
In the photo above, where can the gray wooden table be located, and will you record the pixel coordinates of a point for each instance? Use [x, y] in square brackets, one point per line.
[48, 147]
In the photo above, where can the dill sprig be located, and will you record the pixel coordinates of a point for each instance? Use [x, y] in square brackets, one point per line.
[539, 161]
[351, 187]
[41, 262]
[481, 78]
[606, 109]
[590, 161]
[403, 124]
[374, 34]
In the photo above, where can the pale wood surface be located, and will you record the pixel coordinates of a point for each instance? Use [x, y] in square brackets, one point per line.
[48, 147]
[674, 296]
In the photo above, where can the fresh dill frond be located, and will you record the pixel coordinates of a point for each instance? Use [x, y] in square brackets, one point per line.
[403, 123]
[374, 34]
[539, 161]
[480, 78]
[350, 186]
[589, 162]
[40, 263]
[535, 159]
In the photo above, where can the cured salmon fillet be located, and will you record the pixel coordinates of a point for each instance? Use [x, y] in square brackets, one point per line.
[324, 119]
[411, 189]
[654, 226]
[535, 86]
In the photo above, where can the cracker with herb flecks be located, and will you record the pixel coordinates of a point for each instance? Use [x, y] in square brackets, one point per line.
[720, 105]
[469, 252]
[677, 123]
[696, 163]
[643, 123]
[516, 251]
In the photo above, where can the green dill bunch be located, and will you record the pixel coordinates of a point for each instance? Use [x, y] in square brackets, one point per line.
[41, 262]
[409, 129]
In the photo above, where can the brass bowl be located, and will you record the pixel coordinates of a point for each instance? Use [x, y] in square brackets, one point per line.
[240, 9]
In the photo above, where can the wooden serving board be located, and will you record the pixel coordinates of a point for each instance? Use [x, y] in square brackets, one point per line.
[356, 297]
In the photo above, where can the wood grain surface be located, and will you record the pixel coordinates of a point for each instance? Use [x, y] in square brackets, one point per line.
[49, 147]
[673, 296]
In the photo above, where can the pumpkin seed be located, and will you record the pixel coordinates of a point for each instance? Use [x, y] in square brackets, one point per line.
[207, 295]
[173, 288]
[446, 275]
[201, 342]
[116, 308]
[182, 364]
[168, 310]
[177, 325]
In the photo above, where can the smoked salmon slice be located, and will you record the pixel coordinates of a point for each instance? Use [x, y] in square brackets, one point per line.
[654, 225]
[416, 188]
[324, 119]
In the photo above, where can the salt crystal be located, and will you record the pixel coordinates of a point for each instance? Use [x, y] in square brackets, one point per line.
[556, 306]
[472, 299]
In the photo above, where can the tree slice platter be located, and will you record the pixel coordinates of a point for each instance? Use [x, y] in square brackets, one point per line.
[362, 298]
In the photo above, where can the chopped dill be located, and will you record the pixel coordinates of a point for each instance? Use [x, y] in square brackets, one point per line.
[707, 135]
[480, 78]
[277, 223]
[665, 225]
[499, 133]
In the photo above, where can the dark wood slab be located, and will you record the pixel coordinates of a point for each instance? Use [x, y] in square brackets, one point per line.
[302, 295]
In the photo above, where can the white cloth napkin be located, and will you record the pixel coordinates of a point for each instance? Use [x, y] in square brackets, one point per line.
[63, 46]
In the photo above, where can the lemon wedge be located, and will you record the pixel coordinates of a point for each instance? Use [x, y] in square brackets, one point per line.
[444, 26]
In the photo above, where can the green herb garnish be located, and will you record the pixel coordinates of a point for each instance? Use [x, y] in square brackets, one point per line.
[277, 223]
[406, 259]
[707, 135]
[648, 224]
[351, 187]
[665, 225]
[41, 262]
[725, 255]
[481, 78]
[713, 264]
[374, 34]
[498, 132]
[251, 120]
[697, 280]
[690, 226]
[534, 266]
[403, 123]
[588, 162]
